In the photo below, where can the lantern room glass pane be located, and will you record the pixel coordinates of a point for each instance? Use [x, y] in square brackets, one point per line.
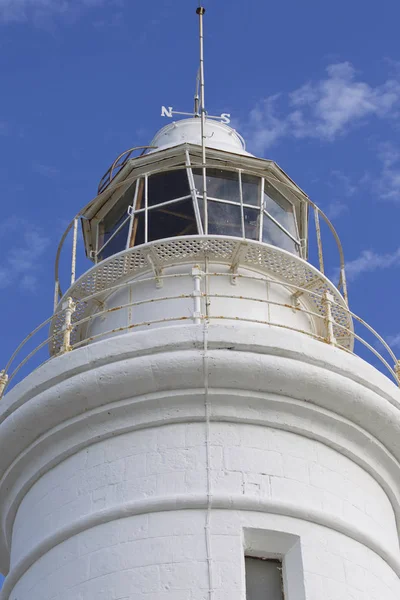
[110, 224]
[263, 579]
[137, 234]
[167, 186]
[118, 242]
[272, 234]
[223, 219]
[251, 223]
[279, 208]
[172, 220]
[251, 189]
[221, 184]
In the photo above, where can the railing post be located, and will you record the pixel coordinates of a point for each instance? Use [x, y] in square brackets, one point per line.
[397, 371]
[69, 306]
[3, 382]
[73, 257]
[327, 300]
[319, 241]
[197, 275]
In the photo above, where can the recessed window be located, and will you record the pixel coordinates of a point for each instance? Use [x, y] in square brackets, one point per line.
[263, 579]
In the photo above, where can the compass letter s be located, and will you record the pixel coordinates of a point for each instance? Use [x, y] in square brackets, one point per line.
[166, 111]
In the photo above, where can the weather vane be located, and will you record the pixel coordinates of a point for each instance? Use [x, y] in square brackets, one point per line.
[199, 102]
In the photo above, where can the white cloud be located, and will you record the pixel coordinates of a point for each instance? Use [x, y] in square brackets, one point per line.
[24, 247]
[387, 185]
[369, 261]
[342, 188]
[344, 182]
[394, 341]
[335, 209]
[324, 109]
[45, 170]
[14, 11]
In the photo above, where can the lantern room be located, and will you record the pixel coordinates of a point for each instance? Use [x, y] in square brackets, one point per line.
[167, 192]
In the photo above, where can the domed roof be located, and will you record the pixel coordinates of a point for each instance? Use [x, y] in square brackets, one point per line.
[218, 136]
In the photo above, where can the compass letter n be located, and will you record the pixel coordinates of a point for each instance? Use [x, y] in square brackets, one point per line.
[166, 112]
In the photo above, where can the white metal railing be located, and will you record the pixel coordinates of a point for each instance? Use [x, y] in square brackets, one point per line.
[334, 331]
[71, 237]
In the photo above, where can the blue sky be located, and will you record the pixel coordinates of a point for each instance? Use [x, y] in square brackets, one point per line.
[314, 86]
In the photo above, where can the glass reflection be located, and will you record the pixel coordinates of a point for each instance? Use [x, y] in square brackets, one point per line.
[226, 216]
[272, 234]
[279, 208]
[110, 224]
[223, 219]
[220, 184]
[251, 189]
[251, 223]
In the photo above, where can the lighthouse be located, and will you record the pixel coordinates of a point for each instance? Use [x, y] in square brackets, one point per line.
[202, 427]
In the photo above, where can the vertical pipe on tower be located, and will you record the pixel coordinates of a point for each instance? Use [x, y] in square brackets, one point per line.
[200, 11]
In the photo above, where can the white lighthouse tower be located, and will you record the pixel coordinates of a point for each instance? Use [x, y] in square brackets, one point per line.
[203, 428]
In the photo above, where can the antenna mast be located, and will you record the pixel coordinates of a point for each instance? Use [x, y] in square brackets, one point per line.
[200, 11]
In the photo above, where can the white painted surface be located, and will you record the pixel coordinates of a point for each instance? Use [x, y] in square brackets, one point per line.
[104, 492]
[217, 135]
[245, 299]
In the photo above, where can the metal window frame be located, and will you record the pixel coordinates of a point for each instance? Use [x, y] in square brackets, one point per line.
[146, 205]
[193, 192]
[260, 234]
[194, 195]
[287, 200]
[132, 212]
[115, 232]
[241, 203]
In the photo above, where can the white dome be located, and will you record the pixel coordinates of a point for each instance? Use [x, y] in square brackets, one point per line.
[218, 135]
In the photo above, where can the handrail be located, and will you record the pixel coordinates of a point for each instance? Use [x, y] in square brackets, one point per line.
[70, 306]
[109, 174]
[211, 163]
[58, 291]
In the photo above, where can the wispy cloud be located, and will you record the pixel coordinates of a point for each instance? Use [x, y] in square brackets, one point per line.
[387, 185]
[369, 261]
[394, 340]
[344, 188]
[18, 11]
[20, 262]
[335, 209]
[45, 170]
[323, 109]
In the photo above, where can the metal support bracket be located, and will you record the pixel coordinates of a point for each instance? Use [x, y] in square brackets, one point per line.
[327, 300]
[397, 371]
[308, 286]
[3, 382]
[69, 307]
[237, 258]
[152, 259]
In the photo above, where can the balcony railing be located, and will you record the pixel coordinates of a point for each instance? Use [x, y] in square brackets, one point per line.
[58, 332]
